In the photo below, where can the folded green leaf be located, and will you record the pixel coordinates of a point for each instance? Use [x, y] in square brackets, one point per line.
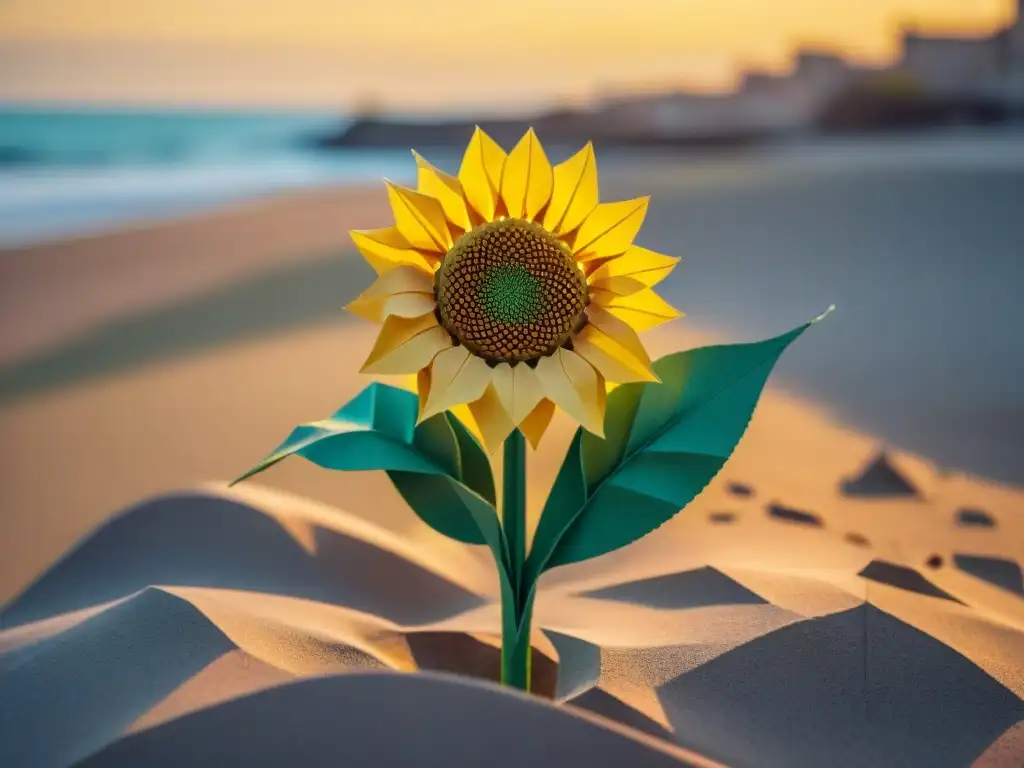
[476, 466]
[663, 444]
[436, 466]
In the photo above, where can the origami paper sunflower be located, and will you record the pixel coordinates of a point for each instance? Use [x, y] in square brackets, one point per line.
[510, 288]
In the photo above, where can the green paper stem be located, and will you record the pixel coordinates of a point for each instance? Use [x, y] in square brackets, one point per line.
[516, 613]
[516, 652]
[513, 503]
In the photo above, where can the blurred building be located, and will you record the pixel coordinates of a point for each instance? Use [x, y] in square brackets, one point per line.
[962, 66]
[945, 69]
[950, 66]
[764, 103]
[790, 103]
[1010, 44]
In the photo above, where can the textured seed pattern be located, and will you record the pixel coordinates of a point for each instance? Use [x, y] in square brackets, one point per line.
[510, 294]
[510, 291]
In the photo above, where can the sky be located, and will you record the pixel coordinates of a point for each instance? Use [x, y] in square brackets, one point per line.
[434, 54]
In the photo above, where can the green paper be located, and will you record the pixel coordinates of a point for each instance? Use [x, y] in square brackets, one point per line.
[516, 650]
[515, 613]
[513, 502]
[476, 466]
[663, 444]
[428, 464]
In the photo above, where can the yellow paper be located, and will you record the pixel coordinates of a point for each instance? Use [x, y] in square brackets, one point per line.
[575, 387]
[610, 358]
[609, 230]
[642, 310]
[404, 291]
[518, 389]
[634, 270]
[445, 188]
[574, 192]
[622, 333]
[402, 279]
[494, 423]
[456, 377]
[400, 305]
[385, 249]
[536, 424]
[406, 344]
[480, 173]
[419, 218]
[526, 178]
[420, 384]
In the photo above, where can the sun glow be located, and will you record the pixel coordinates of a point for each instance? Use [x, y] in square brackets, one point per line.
[306, 50]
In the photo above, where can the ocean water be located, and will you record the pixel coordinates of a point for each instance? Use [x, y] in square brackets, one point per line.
[71, 172]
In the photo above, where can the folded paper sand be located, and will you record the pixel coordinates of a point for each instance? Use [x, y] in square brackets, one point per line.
[748, 667]
[385, 719]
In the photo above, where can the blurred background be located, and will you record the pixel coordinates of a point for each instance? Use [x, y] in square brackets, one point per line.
[177, 179]
[113, 112]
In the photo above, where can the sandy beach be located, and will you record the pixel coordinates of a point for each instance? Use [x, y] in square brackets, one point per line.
[94, 279]
[838, 596]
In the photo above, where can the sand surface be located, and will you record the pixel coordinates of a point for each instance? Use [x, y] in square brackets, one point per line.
[55, 291]
[778, 621]
[818, 604]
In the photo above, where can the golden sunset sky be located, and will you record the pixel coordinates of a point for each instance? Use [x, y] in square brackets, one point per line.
[414, 54]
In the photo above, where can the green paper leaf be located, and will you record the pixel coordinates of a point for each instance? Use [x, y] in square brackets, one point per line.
[663, 444]
[432, 465]
[476, 466]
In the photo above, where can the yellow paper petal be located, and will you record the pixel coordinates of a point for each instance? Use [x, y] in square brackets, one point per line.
[480, 173]
[594, 263]
[621, 332]
[419, 383]
[526, 178]
[609, 229]
[419, 218]
[536, 424]
[408, 305]
[494, 423]
[574, 192]
[518, 389]
[421, 386]
[611, 359]
[642, 310]
[401, 279]
[368, 310]
[406, 344]
[575, 387]
[385, 249]
[445, 188]
[404, 291]
[456, 377]
[399, 304]
[636, 269]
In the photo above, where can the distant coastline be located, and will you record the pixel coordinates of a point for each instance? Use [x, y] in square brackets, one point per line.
[859, 110]
[556, 128]
[66, 172]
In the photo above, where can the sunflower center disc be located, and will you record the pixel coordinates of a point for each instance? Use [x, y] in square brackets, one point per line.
[510, 291]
